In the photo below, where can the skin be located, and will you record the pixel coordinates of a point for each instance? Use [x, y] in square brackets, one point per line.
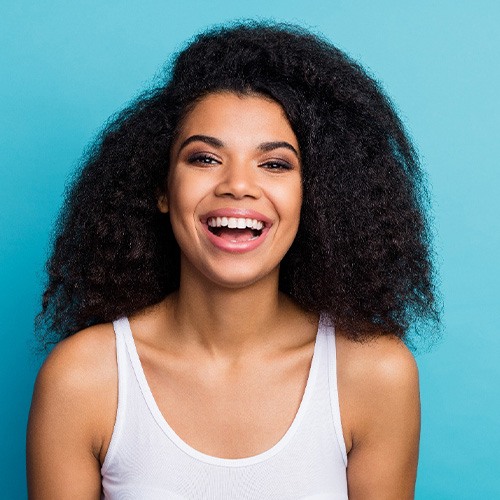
[200, 357]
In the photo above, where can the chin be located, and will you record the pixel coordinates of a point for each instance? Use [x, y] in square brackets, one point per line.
[240, 278]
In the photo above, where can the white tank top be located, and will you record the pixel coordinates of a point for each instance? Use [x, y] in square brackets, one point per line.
[147, 460]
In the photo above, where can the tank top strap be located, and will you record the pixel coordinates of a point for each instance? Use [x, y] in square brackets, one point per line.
[328, 329]
[120, 327]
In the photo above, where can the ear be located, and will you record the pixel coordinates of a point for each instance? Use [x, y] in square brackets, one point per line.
[163, 203]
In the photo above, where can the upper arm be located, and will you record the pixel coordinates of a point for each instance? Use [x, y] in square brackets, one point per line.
[383, 412]
[68, 421]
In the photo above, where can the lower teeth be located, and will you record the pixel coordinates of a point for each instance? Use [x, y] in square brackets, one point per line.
[216, 231]
[251, 239]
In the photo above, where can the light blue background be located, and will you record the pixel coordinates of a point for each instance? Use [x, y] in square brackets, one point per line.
[67, 66]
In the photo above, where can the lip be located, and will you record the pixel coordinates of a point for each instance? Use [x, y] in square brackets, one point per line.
[236, 246]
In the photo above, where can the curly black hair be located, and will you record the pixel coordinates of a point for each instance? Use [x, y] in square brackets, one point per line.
[362, 255]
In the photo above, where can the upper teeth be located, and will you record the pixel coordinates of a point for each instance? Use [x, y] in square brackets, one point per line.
[235, 223]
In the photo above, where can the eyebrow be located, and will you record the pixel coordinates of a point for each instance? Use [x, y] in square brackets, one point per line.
[217, 143]
[212, 141]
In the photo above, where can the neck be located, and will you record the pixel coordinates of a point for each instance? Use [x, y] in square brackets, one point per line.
[228, 321]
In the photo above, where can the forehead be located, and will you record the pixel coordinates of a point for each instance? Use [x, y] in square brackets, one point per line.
[240, 117]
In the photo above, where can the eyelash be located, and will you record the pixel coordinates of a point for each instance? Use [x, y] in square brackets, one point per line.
[205, 159]
[278, 165]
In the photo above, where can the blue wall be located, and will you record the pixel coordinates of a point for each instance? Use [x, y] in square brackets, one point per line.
[67, 66]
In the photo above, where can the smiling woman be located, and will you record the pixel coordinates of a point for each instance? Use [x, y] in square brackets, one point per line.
[234, 271]
[234, 164]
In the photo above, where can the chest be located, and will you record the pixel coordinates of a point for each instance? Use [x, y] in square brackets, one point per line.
[170, 413]
[230, 412]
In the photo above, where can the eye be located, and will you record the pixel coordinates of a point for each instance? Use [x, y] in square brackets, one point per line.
[202, 159]
[277, 165]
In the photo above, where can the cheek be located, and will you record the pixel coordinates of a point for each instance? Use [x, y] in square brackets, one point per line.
[289, 200]
[181, 206]
[184, 194]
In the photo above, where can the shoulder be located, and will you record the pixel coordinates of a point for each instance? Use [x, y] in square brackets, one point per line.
[72, 416]
[378, 382]
[384, 361]
[84, 359]
[79, 380]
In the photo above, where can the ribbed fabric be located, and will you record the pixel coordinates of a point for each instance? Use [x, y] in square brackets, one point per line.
[147, 460]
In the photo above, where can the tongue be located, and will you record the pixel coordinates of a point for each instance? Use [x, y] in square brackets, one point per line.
[235, 234]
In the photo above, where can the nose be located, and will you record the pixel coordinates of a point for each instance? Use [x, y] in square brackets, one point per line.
[238, 180]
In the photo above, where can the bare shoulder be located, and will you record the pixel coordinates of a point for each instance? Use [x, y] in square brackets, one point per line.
[79, 380]
[378, 364]
[85, 360]
[72, 416]
[380, 413]
[378, 382]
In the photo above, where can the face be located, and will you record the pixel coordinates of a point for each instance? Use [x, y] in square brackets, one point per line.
[234, 189]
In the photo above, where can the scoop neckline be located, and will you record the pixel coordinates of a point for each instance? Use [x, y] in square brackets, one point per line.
[193, 452]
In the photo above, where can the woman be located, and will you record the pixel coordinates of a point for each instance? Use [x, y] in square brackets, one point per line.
[255, 229]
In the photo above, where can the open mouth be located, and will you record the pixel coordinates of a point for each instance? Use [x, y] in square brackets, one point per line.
[235, 229]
